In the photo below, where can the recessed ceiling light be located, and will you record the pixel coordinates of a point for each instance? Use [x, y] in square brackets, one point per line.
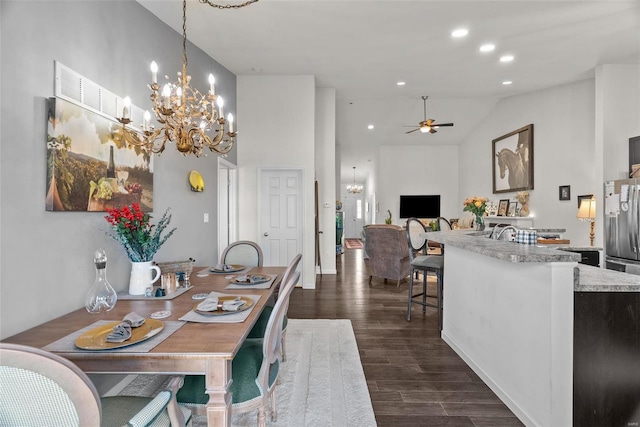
[487, 47]
[370, 127]
[507, 82]
[401, 83]
[506, 58]
[460, 32]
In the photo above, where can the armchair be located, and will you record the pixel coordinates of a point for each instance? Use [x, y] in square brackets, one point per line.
[386, 252]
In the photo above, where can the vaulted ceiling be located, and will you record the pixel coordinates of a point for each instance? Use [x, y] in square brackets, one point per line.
[363, 48]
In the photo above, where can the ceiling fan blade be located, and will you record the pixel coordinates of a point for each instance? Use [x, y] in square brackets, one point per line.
[442, 124]
[412, 130]
[432, 130]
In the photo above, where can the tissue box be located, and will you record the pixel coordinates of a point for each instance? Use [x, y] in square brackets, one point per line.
[527, 237]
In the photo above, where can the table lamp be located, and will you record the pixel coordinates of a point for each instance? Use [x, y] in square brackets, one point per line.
[587, 212]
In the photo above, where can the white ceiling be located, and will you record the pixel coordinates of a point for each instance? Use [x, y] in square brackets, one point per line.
[362, 48]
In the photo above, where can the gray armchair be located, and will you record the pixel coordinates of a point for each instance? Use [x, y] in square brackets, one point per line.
[386, 253]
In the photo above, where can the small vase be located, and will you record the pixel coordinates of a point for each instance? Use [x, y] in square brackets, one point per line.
[524, 209]
[141, 277]
[479, 222]
[101, 297]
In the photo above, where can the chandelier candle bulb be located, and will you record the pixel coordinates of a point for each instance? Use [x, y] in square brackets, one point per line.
[154, 72]
[127, 106]
[220, 104]
[178, 97]
[147, 118]
[212, 81]
[166, 94]
[230, 120]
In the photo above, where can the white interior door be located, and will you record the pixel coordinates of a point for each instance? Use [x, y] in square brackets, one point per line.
[227, 204]
[281, 197]
[353, 218]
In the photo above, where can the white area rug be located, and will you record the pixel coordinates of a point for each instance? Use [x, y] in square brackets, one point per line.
[321, 383]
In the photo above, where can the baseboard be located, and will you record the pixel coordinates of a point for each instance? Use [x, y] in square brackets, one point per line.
[502, 395]
[324, 271]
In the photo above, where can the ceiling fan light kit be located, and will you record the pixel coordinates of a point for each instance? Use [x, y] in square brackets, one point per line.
[428, 125]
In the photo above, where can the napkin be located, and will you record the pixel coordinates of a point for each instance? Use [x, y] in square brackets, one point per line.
[122, 331]
[211, 303]
[249, 278]
[224, 267]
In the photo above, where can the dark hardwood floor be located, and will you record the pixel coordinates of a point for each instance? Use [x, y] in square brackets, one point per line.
[414, 378]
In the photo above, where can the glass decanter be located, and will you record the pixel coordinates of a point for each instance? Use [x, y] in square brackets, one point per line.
[101, 297]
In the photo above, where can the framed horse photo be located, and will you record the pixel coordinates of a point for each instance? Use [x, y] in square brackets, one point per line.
[513, 161]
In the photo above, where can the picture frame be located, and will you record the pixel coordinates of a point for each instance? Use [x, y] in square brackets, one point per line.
[503, 206]
[584, 196]
[564, 192]
[513, 207]
[512, 160]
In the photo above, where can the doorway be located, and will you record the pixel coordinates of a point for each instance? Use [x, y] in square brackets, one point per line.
[227, 204]
[353, 218]
[281, 220]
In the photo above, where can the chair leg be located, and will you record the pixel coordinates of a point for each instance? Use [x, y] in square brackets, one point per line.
[424, 292]
[410, 296]
[274, 414]
[370, 278]
[439, 278]
[284, 345]
[262, 417]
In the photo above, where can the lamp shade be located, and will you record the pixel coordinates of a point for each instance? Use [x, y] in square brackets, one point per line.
[587, 209]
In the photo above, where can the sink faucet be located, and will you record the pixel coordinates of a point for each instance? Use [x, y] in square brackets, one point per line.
[510, 227]
[493, 230]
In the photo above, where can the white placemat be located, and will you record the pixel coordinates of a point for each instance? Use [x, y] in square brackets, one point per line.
[232, 317]
[67, 344]
[265, 285]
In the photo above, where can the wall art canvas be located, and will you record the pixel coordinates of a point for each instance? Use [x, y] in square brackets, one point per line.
[513, 161]
[89, 166]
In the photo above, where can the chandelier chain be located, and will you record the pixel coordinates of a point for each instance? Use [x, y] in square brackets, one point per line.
[184, 33]
[228, 6]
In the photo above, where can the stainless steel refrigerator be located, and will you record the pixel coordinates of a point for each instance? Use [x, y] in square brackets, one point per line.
[622, 225]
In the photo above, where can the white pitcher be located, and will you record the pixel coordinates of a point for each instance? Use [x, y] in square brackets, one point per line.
[141, 277]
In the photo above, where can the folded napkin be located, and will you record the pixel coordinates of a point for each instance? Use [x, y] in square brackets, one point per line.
[249, 278]
[224, 267]
[211, 303]
[122, 331]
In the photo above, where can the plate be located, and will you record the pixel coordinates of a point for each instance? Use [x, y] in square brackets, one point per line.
[234, 268]
[96, 338]
[257, 279]
[248, 303]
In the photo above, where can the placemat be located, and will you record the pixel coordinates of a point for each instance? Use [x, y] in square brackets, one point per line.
[265, 285]
[66, 344]
[124, 295]
[192, 316]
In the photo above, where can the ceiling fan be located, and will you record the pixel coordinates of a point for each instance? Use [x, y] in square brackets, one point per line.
[428, 125]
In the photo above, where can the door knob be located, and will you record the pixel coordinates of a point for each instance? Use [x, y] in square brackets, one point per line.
[266, 234]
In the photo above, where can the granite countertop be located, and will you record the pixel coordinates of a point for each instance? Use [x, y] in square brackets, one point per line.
[594, 279]
[473, 241]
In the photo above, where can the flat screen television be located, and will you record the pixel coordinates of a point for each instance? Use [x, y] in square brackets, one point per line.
[420, 206]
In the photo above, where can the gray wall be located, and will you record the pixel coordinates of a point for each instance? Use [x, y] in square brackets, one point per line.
[46, 258]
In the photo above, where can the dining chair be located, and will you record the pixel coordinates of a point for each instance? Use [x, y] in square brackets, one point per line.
[243, 252]
[254, 369]
[39, 388]
[415, 231]
[260, 326]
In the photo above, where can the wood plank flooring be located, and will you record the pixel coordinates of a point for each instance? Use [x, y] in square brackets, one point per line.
[414, 378]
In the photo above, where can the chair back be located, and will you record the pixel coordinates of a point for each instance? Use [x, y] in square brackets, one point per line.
[272, 343]
[443, 224]
[291, 268]
[39, 388]
[416, 242]
[243, 252]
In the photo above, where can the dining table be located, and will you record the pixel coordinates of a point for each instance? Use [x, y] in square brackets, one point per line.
[193, 348]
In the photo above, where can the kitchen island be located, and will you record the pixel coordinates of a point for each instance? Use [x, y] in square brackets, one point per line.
[509, 313]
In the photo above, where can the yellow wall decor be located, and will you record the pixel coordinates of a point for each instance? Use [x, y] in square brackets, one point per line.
[196, 181]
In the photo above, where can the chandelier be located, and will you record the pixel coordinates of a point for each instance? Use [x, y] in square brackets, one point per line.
[187, 117]
[354, 188]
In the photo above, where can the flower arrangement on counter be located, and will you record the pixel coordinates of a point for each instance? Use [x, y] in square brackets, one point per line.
[132, 228]
[476, 205]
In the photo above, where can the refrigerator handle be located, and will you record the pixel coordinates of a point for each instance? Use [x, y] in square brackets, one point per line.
[635, 215]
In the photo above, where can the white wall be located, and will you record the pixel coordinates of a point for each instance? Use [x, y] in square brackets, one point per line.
[46, 258]
[563, 153]
[417, 169]
[278, 114]
[325, 154]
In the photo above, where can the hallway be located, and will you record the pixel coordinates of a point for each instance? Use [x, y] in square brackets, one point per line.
[414, 378]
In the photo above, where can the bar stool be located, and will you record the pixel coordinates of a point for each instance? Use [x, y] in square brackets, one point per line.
[426, 264]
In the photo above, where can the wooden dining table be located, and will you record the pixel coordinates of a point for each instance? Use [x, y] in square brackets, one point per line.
[195, 348]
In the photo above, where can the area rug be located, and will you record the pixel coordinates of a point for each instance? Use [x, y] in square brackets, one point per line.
[322, 382]
[353, 243]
